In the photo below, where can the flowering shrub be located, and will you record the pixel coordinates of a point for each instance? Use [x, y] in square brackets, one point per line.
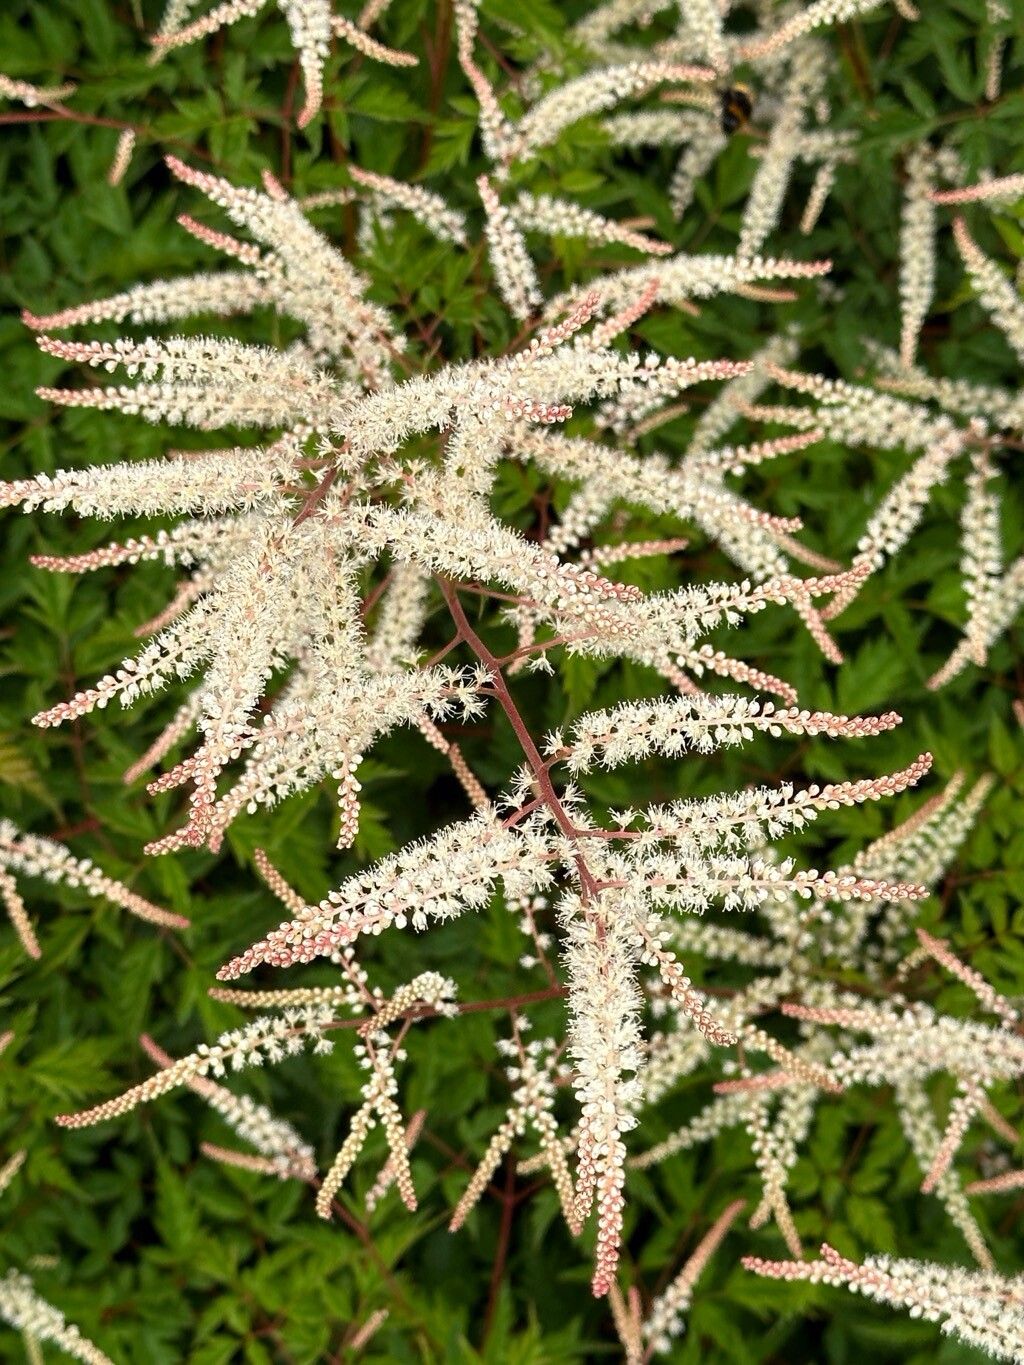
[520, 524]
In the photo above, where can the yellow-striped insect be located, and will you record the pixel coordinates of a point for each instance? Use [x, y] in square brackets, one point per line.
[737, 104]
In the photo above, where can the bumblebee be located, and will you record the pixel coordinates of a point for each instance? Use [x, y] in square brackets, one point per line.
[737, 105]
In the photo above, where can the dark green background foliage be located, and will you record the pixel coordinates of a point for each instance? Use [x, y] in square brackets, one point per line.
[161, 1255]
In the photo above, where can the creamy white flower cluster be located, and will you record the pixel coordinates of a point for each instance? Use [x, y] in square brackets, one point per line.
[31, 855]
[283, 532]
[267, 1039]
[22, 1307]
[982, 1309]
[311, 24]
[686, 858]
[534, 1072]
[911, 1043]
[316, 563]
[856, 414]
[787, 62]
[281, 1150]
[32, 95]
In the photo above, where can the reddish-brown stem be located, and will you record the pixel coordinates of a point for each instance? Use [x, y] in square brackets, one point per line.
[522, 812]
[501, 1254]
[438, 54]
[58, 112]
[534, 758]
[373, 597]
[443, 652]
[316, 497]
[471, 1007]
[286, 124]
[537, 647]
[499, 596]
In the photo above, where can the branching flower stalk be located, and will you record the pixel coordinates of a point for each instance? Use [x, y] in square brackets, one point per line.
[21, 1306]
[983, 1310]
[325, 571]
[287, 588]
[34, 856]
